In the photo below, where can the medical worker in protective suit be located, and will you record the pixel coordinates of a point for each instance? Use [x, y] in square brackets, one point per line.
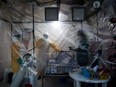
[26, 67]
[19, 47]
[42, 51]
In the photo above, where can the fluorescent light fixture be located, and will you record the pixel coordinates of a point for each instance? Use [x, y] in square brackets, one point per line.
[78, 13]
[51, 13]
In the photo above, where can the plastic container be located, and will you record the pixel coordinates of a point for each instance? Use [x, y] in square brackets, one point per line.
[85, 72]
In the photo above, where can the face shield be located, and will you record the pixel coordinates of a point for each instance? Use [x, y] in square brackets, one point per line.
[16, 37]
[46, 35]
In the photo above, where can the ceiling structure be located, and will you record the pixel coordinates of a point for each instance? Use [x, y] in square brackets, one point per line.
[21, 6]
[20, 11]
[88, 4]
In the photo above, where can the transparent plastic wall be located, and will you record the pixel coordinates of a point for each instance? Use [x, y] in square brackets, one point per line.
[5, 54]
[64, 34]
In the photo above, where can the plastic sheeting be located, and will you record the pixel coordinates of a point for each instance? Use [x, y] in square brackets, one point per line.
[4, 48]
[64, 35]
[5, 38]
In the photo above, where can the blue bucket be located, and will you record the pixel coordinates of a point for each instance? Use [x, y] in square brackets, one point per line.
[85, 72]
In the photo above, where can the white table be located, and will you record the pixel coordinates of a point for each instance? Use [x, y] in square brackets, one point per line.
[78, 78]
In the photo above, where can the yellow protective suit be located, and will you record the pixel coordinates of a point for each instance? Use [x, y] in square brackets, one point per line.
[41, 42]
[15, 49]
[42, 54]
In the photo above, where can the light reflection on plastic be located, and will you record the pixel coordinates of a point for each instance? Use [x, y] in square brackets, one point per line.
[56, 24]
[56, 28]
[61, 31]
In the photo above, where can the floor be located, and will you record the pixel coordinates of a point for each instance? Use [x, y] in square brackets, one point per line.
[49, 82]
[58, 82]
[4, 84]
[61, 82]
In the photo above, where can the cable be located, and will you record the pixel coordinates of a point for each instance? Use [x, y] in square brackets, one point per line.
[109, 62]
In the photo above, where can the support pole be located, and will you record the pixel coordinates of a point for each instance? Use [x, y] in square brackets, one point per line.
[33, 31]
[81, 25]
[97, 27]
